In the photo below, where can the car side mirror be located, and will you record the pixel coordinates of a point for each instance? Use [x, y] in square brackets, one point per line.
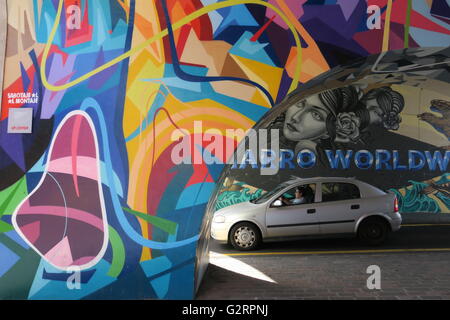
[277, 203]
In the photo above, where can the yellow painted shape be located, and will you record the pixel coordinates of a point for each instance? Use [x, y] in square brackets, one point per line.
[387, 27]
[339, 252]
[175, 26]
[311, 66]
[213, 115]
[266, 75]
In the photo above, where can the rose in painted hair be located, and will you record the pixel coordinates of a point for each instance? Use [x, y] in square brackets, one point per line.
[347, 127]
[391, 121]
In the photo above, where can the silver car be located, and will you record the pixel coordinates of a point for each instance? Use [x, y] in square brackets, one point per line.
[309, 207]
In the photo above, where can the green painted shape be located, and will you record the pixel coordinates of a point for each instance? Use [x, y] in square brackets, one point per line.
[12, 196]
[118, 257]
[16, 283]
[407, 24]
[5, 227]
[166, 225]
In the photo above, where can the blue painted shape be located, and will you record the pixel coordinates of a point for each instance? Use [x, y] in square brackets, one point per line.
[215, 18]
[178, 83]
[85, 276]
[195, 194]
[25, 79]
[235, 16]
[8, 259]
[43, 289]
[214, 169]
[130, 231]
[426, 38]
[154, 267]
[194, 78]
[253, 50]
[13, 235]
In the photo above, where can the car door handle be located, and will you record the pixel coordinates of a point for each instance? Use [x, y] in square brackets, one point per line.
[309, 211]
[354, 206]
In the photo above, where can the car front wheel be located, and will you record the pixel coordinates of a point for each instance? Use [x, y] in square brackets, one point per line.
[373, 232]
[245, 236]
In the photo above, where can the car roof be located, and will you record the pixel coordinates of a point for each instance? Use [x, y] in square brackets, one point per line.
[364, 187]
[295, 180]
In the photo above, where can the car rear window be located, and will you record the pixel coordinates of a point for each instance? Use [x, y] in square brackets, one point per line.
[336, 191]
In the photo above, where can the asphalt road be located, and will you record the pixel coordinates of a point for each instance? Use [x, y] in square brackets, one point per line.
[410, 236]
[413, 262]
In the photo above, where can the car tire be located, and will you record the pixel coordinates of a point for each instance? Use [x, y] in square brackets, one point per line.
[373, 232]
[245, 236]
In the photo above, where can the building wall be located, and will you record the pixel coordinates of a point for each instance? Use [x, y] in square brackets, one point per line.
[92, 204]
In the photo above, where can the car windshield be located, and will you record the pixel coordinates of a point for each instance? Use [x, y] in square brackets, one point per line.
[266, 196]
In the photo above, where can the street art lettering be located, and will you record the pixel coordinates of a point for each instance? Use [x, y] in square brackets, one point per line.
[73, 17]
[374, 18]
[389, 160]
[374, 280]
[93, 186]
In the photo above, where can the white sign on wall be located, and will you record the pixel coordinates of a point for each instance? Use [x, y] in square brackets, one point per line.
[20, 120]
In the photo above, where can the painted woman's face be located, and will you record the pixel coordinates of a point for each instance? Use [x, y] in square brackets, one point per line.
[375, 112]
[306, 120]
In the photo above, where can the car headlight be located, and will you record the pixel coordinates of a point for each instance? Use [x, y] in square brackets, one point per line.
[219, 219]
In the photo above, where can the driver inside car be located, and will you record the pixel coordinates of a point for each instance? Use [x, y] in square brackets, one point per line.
[298, 199]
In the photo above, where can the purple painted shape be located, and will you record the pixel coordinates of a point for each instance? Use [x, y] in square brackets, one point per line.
[98, 80]
[284, 86]
[12, 144]
[332, 16]
[58, 71]
[61, 223]
[25, 79]
[441, 10]
[296, 7]
[396, 40]
[86, 145]
[347, 7]
[322, 32]
[63, 146]
[370, 40]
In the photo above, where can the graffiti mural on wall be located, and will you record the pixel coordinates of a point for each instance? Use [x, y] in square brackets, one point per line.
[91, 194]
[370, 123]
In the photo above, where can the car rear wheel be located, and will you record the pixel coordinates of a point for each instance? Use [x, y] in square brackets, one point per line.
[245, 236]
[373, 231]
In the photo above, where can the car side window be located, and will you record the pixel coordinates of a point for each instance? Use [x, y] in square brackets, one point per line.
[336, 191]
[303, 194]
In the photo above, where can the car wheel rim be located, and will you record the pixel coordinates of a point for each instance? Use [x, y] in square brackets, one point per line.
[374, 232]
[244, 237]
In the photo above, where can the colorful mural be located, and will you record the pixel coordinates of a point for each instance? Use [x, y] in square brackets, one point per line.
[91, 205]
[377, 120]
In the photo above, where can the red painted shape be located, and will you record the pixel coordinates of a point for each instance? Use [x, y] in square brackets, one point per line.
[202, 25]
[260, 31]
[74, 152]
[82, 35]
[398, 15]
[182, 39]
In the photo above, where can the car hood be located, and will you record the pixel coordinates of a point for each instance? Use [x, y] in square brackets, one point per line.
[238, 208]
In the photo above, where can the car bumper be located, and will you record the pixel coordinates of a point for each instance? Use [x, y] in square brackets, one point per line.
[396, 222]
[219, 231]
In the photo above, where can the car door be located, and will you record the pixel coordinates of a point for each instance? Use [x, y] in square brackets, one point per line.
[292, 220]
[339, 207]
